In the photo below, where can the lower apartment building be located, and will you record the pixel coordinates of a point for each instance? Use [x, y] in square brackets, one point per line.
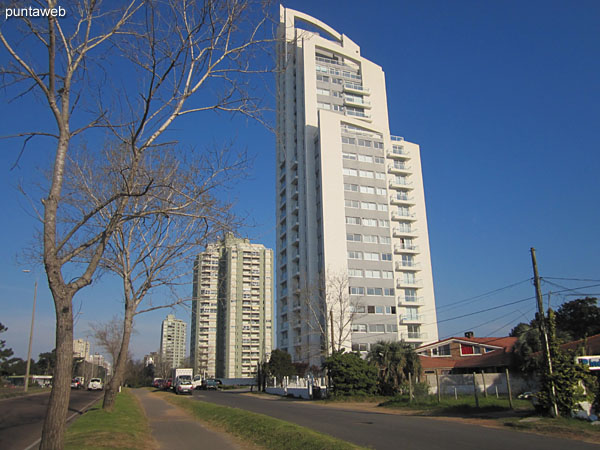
[232, 308]
[172, 341]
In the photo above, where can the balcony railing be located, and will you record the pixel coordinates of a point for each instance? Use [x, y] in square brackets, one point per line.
[397, 152]
[416, 301]
[414, 318]
[357, 114]
[356, 87]
[399, 248]
[404, 231]
[413, 336]
[407, 283]
[410, 265]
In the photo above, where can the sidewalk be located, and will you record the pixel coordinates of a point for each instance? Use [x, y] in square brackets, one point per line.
[174, 428]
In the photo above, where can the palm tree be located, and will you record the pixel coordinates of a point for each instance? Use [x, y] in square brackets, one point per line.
[394, 361]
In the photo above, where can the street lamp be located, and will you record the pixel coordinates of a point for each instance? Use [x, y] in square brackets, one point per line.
[30, 335]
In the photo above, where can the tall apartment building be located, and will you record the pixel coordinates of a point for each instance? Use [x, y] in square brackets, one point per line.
[172, 341]
[350, 202]
[81, 348]
[232, 308]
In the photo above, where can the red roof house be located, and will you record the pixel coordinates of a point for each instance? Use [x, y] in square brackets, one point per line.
[467, 354]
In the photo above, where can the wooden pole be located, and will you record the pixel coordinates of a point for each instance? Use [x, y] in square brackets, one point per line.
[410, 388]
[510, 402]
[543, 330]
[437, 381]
[475, 390]
[484, 386]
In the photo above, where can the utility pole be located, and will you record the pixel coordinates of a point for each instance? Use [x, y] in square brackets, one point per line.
[332, 335]
[542, 320]
[28, 366]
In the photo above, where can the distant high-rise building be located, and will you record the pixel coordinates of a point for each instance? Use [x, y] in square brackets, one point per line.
[353, 246]
[81, 348]
[232, 308]
[172, 341]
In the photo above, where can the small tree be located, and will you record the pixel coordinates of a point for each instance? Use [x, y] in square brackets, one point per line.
[350, 374]
[280, 365]
[573, 382]
[394, 361]
[5, 353]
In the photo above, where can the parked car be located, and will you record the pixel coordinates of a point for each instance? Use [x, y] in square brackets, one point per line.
[183, 386]
[167, 384]
[95, 384]
[157, 383]
[76, 383]
[197, 382]
[210, 384]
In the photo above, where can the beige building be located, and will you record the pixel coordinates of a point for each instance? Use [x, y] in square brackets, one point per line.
[232, 308]
[81, 348]
[172, 341]
[353, 247]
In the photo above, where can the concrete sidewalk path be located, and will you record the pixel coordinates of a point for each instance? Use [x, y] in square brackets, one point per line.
[174, 428]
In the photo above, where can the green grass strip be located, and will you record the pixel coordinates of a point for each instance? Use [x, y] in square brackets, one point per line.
[259, 429]
[125, 427]
[462, 405]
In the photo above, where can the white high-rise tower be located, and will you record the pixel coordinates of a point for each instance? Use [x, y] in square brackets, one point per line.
[353, 255]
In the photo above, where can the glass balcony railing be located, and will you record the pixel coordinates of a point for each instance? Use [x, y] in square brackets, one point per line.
[414, 336]
[356, 87]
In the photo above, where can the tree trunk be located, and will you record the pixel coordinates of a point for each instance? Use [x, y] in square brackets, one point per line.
[120, 365]
[56, 414]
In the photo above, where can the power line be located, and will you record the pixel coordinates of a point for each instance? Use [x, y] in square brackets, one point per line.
[482, 295]
[481, 324]
[569, 279]
[508, 304]
[486, 310]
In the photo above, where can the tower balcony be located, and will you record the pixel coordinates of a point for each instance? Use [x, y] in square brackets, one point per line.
[411, 301]
[405, 248]
[354, 101]
[359, 114]
[399, 168]
[402, 200]
[408, 265]
[397, 184]
[402, 283]
[397, 153]
[404, 232]
[356, 88]
[413, 336]
[413, 319]
[408, 217]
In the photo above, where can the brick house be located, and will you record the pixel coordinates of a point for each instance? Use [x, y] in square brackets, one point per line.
[459, 355]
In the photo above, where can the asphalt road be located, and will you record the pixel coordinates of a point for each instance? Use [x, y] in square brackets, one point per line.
[381, 430]
[22, 418]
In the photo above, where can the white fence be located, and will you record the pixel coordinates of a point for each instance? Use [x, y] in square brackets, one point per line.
[306, 388]
[488, 382]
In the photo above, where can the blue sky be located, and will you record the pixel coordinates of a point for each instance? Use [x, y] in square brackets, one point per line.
[504, 100]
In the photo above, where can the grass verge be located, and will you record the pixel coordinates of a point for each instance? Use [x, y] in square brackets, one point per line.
[464, 405]
[259, 429]
[560, 427]
[10, 392]
[126, 427]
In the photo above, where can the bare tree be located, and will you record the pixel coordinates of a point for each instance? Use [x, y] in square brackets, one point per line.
[329, 311]
[173, 50]
[108, 336]
[169, 226]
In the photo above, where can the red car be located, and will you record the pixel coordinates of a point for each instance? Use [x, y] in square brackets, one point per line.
[167, 384]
